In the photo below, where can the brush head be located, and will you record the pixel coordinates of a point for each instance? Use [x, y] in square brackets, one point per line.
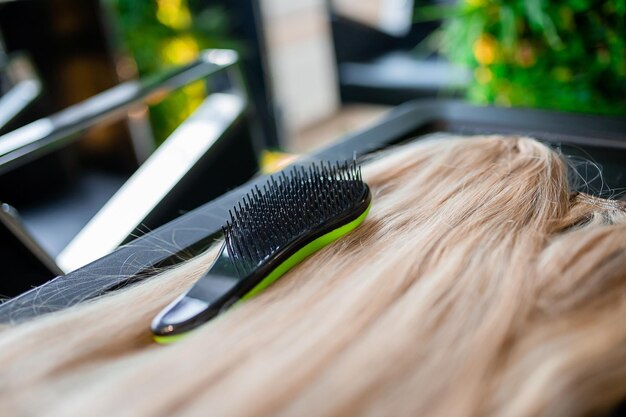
[271, 229]
[292, 205]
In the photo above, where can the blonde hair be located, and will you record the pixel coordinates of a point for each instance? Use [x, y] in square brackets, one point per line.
[479, 285]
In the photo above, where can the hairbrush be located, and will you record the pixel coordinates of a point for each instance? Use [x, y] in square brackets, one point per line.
[272, 229]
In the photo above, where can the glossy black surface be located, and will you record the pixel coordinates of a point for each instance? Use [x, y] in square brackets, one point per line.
[47, 134]
[226, 282]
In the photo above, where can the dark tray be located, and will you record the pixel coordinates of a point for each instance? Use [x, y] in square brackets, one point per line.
[591, 138]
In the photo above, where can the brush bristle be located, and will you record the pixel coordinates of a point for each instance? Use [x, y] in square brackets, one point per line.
[289, 205]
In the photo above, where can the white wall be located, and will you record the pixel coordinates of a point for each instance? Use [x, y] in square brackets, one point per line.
[301, 61]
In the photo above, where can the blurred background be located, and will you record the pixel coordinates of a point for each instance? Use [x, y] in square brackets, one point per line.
[117, 116]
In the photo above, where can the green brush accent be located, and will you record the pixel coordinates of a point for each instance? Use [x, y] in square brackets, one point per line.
[289, 263]
[166, 340]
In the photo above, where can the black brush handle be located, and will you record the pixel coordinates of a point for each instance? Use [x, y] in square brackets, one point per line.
[215, 291]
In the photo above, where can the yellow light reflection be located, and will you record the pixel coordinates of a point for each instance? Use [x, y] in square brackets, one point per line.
[180, 50]
[174, 14]
[485, 49]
